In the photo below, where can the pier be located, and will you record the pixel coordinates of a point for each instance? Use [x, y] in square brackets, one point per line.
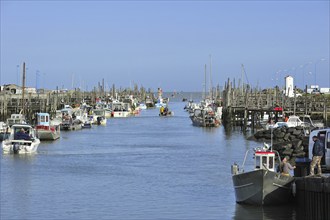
[244, 104]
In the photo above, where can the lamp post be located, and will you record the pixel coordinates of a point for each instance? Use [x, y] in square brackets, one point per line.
[315, 69]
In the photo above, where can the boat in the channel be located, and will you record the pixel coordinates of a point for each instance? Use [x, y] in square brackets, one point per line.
[46, 130]
[22, 140]
[204, 118]
[165, 112]
[262, 185]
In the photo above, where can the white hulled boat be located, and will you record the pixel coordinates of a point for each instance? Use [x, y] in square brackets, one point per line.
[119, 109]
[22, 139]
[99, 117]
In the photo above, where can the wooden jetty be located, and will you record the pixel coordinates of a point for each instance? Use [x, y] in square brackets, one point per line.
[243, 104]
[50, 101]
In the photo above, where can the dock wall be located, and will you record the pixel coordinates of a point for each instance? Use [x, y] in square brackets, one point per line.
[313, 198]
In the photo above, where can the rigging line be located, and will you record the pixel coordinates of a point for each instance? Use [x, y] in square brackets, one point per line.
[247, 80]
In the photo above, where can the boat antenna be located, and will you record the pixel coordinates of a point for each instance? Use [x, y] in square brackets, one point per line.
[205, 81]
[271, 139]
[211, 92]
[23, 89]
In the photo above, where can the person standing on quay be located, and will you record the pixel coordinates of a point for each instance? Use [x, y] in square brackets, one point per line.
[318, 152]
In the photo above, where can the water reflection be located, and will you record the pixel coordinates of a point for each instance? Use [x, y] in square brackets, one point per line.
[285, 212]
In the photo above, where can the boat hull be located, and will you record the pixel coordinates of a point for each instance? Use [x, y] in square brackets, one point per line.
[262, 187]
[200, 122]
[70, 126]
[20, 147]
[169, 114]
[120, 114]
[87, 125]
[48, 134]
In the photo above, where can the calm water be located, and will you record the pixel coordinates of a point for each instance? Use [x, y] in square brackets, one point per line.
[143, 167]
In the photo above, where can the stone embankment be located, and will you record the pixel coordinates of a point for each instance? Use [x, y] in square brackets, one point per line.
[289, 142]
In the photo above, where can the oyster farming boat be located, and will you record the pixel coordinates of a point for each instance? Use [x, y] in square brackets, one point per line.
[262, 185]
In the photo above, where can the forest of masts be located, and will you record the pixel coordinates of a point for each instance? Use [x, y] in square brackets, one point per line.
[240, 103]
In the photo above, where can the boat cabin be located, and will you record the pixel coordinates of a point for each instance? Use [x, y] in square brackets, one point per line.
[265, 160]
[16, 119]
[22, 132]
[43, 119]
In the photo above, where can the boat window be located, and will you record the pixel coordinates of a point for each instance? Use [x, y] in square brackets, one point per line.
[257, 162]
[42, 118]
[271, 164]
[264, 162]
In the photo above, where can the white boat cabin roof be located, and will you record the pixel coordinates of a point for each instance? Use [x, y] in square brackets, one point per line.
[265, 160]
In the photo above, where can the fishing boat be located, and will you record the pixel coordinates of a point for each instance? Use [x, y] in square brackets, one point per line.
[149, 102]
[160, 102]
[69, 120]
[142, 106]
[165, 112]
[99, 115]
[262, 185]
[46, 130]
[106, 107]
[22, 139]
[119, 109]
[204, 118]
[16, 119]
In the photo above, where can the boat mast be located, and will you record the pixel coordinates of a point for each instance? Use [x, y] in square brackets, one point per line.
[211, 95]
[242, 78]
[23, 89]
[271, 139]
[205, 81]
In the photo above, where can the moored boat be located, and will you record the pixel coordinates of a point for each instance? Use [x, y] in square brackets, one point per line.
[68, 120]
[119, 109]
[262, 185]
[149, 102]
[22, 139]
[204, 118]
[16, 119]
[45, 129]
[142, 106]
[99, 115]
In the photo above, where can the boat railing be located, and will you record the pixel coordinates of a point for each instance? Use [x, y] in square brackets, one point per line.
[246, 153]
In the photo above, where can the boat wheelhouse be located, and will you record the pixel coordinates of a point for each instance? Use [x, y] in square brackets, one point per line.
[45, 130]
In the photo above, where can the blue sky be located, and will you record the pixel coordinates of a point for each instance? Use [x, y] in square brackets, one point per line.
[165, 43]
